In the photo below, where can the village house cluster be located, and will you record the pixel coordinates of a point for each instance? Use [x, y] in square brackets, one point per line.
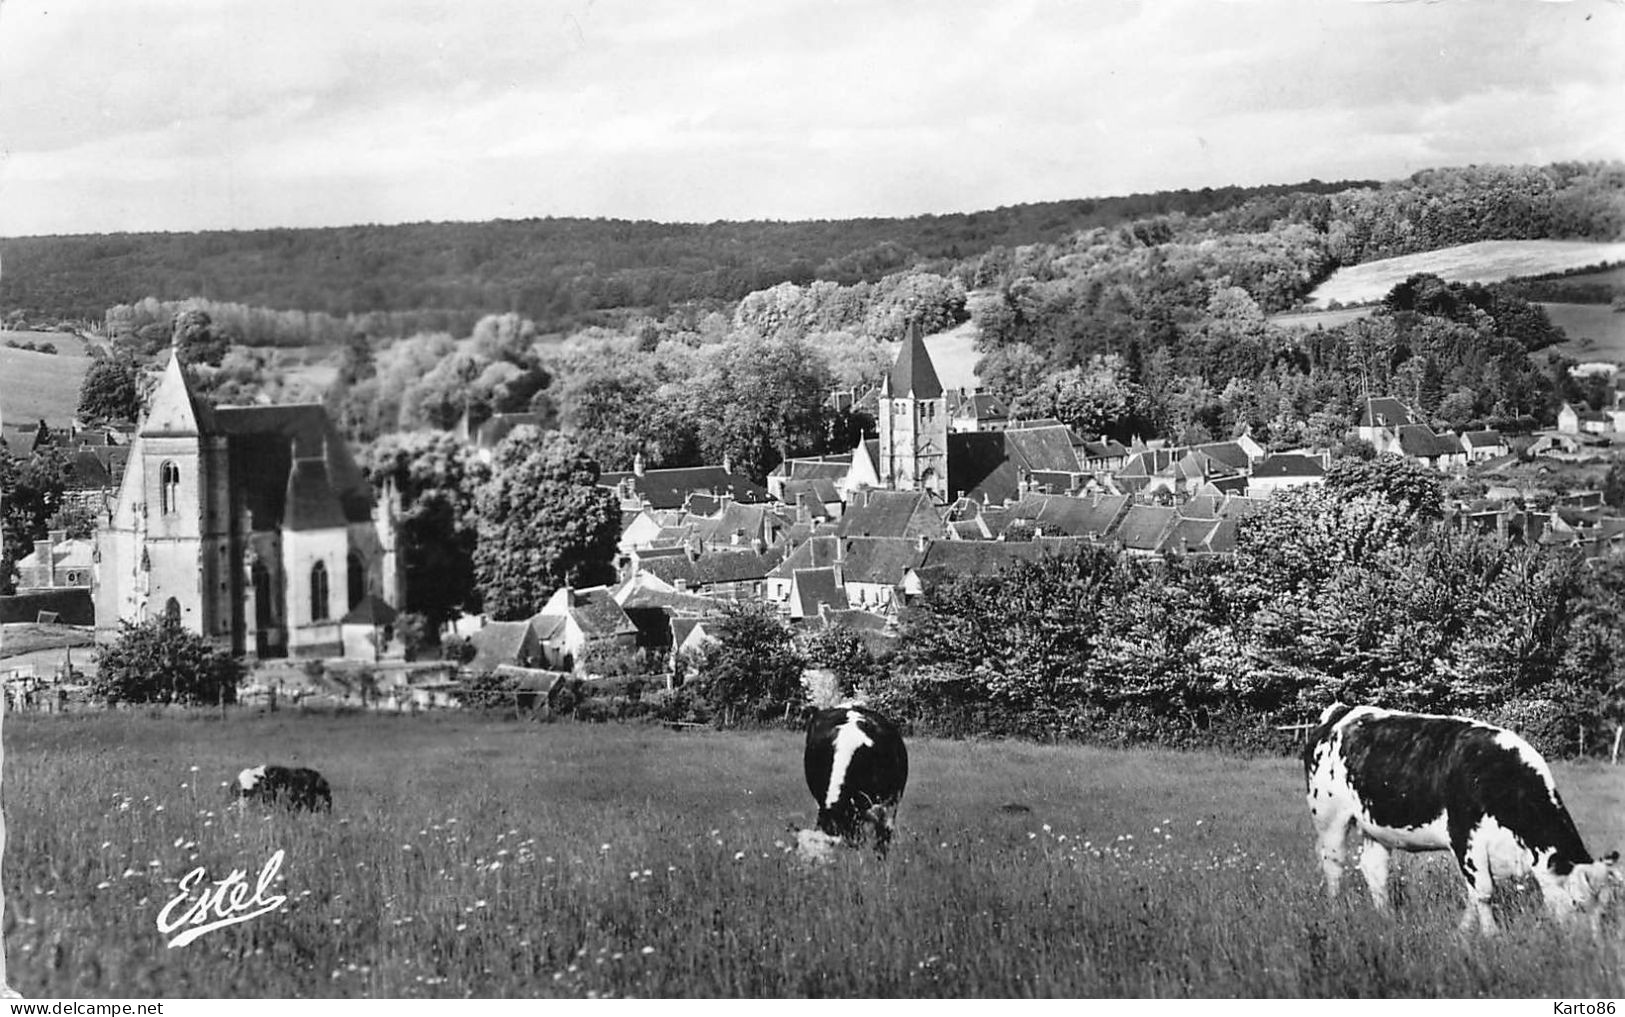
[254, 526]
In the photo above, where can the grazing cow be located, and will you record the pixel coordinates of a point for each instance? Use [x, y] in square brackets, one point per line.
[295, 786]
[856, 769]
[1417, 782]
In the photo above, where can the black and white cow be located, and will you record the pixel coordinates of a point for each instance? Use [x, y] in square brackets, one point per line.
[295, 786]
[1418, 782]
[856, 768]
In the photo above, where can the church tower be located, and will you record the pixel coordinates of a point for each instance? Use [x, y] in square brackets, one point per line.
[180, 522]
[914, 423]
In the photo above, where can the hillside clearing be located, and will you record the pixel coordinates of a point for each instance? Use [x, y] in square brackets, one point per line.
[1484, 262]
[39, 386]
[1596, 333]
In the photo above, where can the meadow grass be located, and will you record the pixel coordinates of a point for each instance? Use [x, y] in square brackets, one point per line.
[40, 386]
[1486, 261]
[1595, 331]
[476, 857]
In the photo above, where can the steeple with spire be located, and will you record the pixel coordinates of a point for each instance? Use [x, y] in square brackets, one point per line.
[913, 422]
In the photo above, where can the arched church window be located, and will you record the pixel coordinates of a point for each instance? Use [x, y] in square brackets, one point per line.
[318, 592]
[172, 611]
[169, 488]
[357, 578]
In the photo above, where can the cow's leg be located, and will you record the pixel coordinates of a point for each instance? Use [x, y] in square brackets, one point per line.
[1480, 885]
[1374, 866]
[881, 817]
[1333, 826]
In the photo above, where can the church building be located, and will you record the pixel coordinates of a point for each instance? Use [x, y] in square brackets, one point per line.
[251, 525]
[913, 424]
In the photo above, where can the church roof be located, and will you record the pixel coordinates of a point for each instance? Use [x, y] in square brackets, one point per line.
[173, 411]
[292, 467]
[371, 611]
[912, 374]
[310, 503]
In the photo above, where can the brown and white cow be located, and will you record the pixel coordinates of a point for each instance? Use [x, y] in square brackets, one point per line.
[856, 768]
[1419, 782]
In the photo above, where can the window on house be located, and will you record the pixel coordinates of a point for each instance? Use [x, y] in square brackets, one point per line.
[318, 592]
[169, 488]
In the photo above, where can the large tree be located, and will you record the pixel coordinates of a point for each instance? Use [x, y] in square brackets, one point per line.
[111, 389]
[542, 522]
[436, 477]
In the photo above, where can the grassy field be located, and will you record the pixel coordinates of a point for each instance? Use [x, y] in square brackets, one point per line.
[1484, 262]
[953, 354]
[41, 386]
[471, 857]
[1595, 331]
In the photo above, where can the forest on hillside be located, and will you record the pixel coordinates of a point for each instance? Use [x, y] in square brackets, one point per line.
[395, 280]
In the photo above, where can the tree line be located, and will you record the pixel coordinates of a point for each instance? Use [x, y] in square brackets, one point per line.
[555, 271]
[1355, 591]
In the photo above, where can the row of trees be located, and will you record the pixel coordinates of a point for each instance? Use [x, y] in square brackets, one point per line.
[1356, 591]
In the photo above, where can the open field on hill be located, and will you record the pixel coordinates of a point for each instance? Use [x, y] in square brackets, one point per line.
[475, 857]
[1306, 320]
[1595, 331]
[1484, 262]
[954, 355]
[39, 386]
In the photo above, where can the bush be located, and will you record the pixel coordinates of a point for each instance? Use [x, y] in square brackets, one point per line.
[158, 661]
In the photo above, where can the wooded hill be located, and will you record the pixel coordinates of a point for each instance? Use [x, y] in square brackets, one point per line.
[556, 272]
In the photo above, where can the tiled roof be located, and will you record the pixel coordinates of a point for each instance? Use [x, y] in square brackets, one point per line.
[1289, 465]
[892, 514]
[499, 643]
[812, 587]
[667, 489]
[1143, 526]
[1063, 515]
[878, 560]
[945, 560]
[912, 374]
[1384, 411]
[1187, 535]
[1229, 453]
[1420, 441]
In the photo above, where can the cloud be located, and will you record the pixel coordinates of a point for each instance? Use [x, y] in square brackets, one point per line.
[183, 114]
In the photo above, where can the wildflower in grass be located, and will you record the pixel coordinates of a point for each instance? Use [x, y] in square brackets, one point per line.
[739, 856]
[603, 847]
[648, 950]
[461, 926]
[104, 884]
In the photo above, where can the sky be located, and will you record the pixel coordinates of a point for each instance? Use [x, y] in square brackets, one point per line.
[137, 115]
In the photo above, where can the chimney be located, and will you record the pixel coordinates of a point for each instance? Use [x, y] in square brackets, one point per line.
[57, 536]
[922, 542]
[637, 463]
